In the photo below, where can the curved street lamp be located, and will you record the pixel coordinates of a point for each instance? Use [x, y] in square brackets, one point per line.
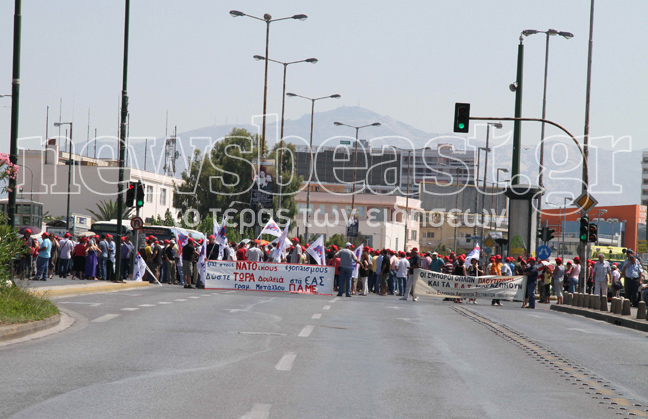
[310, 150]
[267, 18]
[355, 166]
[283, 107]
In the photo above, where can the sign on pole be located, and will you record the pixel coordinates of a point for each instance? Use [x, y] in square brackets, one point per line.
[543, 252]
[137, 223]
[585, 202]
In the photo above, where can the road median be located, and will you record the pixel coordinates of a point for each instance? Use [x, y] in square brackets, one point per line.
[59, 291]
[616, 319]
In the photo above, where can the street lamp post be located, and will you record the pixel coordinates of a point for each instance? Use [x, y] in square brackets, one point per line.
[15, 108]
[562, 227]
[31, 188]
[355, 165]
[283, 107]
[499, 169]
[310, 150]
[497, 125]
[70, 164]
[267, 19]
[549, 33]
[603, 211]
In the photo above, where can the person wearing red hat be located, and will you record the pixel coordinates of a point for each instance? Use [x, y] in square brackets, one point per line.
[254, 254]
[102, 257]
[79, 254]
[573, 273]
[401, 273]
[295, 255]
[65, 256]
[495, 268]
[53, 261]
[189, 252]
[557, 277]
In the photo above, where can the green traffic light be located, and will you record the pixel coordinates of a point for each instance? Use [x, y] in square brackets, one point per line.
[461, 125]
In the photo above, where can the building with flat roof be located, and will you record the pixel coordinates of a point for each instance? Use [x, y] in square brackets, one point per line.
[381, 218]
[44, 175]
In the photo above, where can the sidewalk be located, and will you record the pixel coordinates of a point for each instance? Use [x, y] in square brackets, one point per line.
[59, 287]
[616, 319]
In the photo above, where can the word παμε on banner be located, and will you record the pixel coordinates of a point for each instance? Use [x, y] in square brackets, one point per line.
[265, 276]
[511, 288]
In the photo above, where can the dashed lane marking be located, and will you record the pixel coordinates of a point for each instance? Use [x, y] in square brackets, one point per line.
[80, 303]
[228, 292]
[105, 318]
[334, 300]
[326, 308]
[165, 302]
[147, 305]
[181, 299]
[130, 309]
[286, 362]
[317, 316]
[306, 331]
[259, 411]
[194, 297]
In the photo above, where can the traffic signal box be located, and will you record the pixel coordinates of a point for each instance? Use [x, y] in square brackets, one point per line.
[139, 200]
[462, 117]
[584, 229]
[593, 233]
[130, 194]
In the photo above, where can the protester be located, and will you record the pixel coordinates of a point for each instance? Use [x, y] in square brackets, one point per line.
[79, 254]
[385, 264]
[188, 254]
[54, 253]
[435, 264]
[30, 249]
[92, 251]
[631, 271]
[532, 278]
[401, 273]
[495, 268]
[364, 269]
[127, 252]
[602, 275]
[558, 275]
[616, 280]
[42, 264]
[254, 254]
[475, 270]
[65, 256]
[574, 274]
[414, 262]
[347, 257]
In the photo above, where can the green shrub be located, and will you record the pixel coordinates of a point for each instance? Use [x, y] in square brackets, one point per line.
[18, 305]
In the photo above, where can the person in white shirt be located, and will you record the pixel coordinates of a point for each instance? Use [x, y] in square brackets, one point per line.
[402, 266]
[602, 274]
[65, 256]
[616, 279]
[254, 254]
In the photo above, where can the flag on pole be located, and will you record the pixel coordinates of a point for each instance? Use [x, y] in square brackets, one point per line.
[316, 250]
[202, 263]
[140, 268]
[271, 228]
[472, 255]
[281, 244]
[356, 265]
[182, 241]
[216, 227]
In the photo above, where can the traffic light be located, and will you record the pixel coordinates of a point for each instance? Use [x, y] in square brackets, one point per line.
[130, 194]
[541, 233]
[593, 232]
[584, 229]
[550, 234]
[462, 117]
[139, 201]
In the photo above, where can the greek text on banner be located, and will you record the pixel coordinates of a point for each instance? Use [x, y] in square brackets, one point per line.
[490, 286]
[266, 276]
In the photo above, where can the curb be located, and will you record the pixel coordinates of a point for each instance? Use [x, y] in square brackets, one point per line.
[70, 290]
[15, 331]
[616, 319]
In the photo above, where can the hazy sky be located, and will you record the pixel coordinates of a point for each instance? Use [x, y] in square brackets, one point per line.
[410, 60]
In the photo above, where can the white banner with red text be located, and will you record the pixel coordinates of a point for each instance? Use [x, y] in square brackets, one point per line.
[267, 276]
[511, 288]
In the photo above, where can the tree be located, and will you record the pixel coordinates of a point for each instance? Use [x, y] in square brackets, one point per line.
[220, 182]
[11, 246]
[108, 211]
[336, 239]
[166, 221]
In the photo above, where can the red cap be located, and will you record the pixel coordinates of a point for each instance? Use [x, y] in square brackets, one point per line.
[191, 240]
[157, 242]
[414, 249]
[199, 241]
[531, 259]
[292, 247]
[109, 236]
[45, 234]
[498, 257]
[577, 259]
[295, 239]
[66, 235]
[558, 260]
[28, 231]
[211, 237]
[166, 242]
[306, 246]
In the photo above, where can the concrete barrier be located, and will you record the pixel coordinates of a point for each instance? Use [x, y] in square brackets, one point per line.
[616, 305]
[590, 301]
[641, 310]
[604, 304]
[586, 299]
[596, 302]
[567, 298]
[625, 310]
[580, 298]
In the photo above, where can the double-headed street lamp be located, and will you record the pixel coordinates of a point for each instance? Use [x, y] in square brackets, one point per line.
[267, 19]
[549, 33]
[70, 164]
[355, 165]
[283, 107]
[310, 150]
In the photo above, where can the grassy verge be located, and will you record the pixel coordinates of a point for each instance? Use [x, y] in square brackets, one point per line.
[17, 305]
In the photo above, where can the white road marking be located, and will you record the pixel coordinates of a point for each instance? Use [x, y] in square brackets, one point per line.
[579, 330]
[395, 307]
[535, 315]
[214, 293]
[404, 318]
[286, 362]
[105, 318]
[130, 309]
[80, 303]
[194, 297]
[181, 299]
[333, 300]
[306, 331]
[132, 295]
[228, 292]
[317, 316]
[165, 302]
[259, 411]
[147, 305]
[326, 308]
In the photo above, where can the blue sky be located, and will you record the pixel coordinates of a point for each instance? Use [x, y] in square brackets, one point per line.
[409, 60]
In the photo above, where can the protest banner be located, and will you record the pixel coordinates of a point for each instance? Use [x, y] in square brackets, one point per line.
[266, 276]
[509, 288]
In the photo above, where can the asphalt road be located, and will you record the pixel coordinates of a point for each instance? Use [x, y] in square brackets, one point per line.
[167, 352]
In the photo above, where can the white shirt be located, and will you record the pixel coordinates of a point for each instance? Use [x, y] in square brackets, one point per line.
[66, 249]
[506, 270]
[601, 270]
[254, 254]
[402, 266]
[615, 275]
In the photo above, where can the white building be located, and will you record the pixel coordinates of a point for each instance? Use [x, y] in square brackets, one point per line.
[381, 218]
[44, 175]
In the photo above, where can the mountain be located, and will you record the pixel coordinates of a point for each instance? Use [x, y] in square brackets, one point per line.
[615, 177]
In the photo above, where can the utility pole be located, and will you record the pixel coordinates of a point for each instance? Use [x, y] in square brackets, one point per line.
[15, 101]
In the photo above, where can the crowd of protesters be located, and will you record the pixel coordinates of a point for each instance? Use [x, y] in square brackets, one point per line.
[383, 272]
